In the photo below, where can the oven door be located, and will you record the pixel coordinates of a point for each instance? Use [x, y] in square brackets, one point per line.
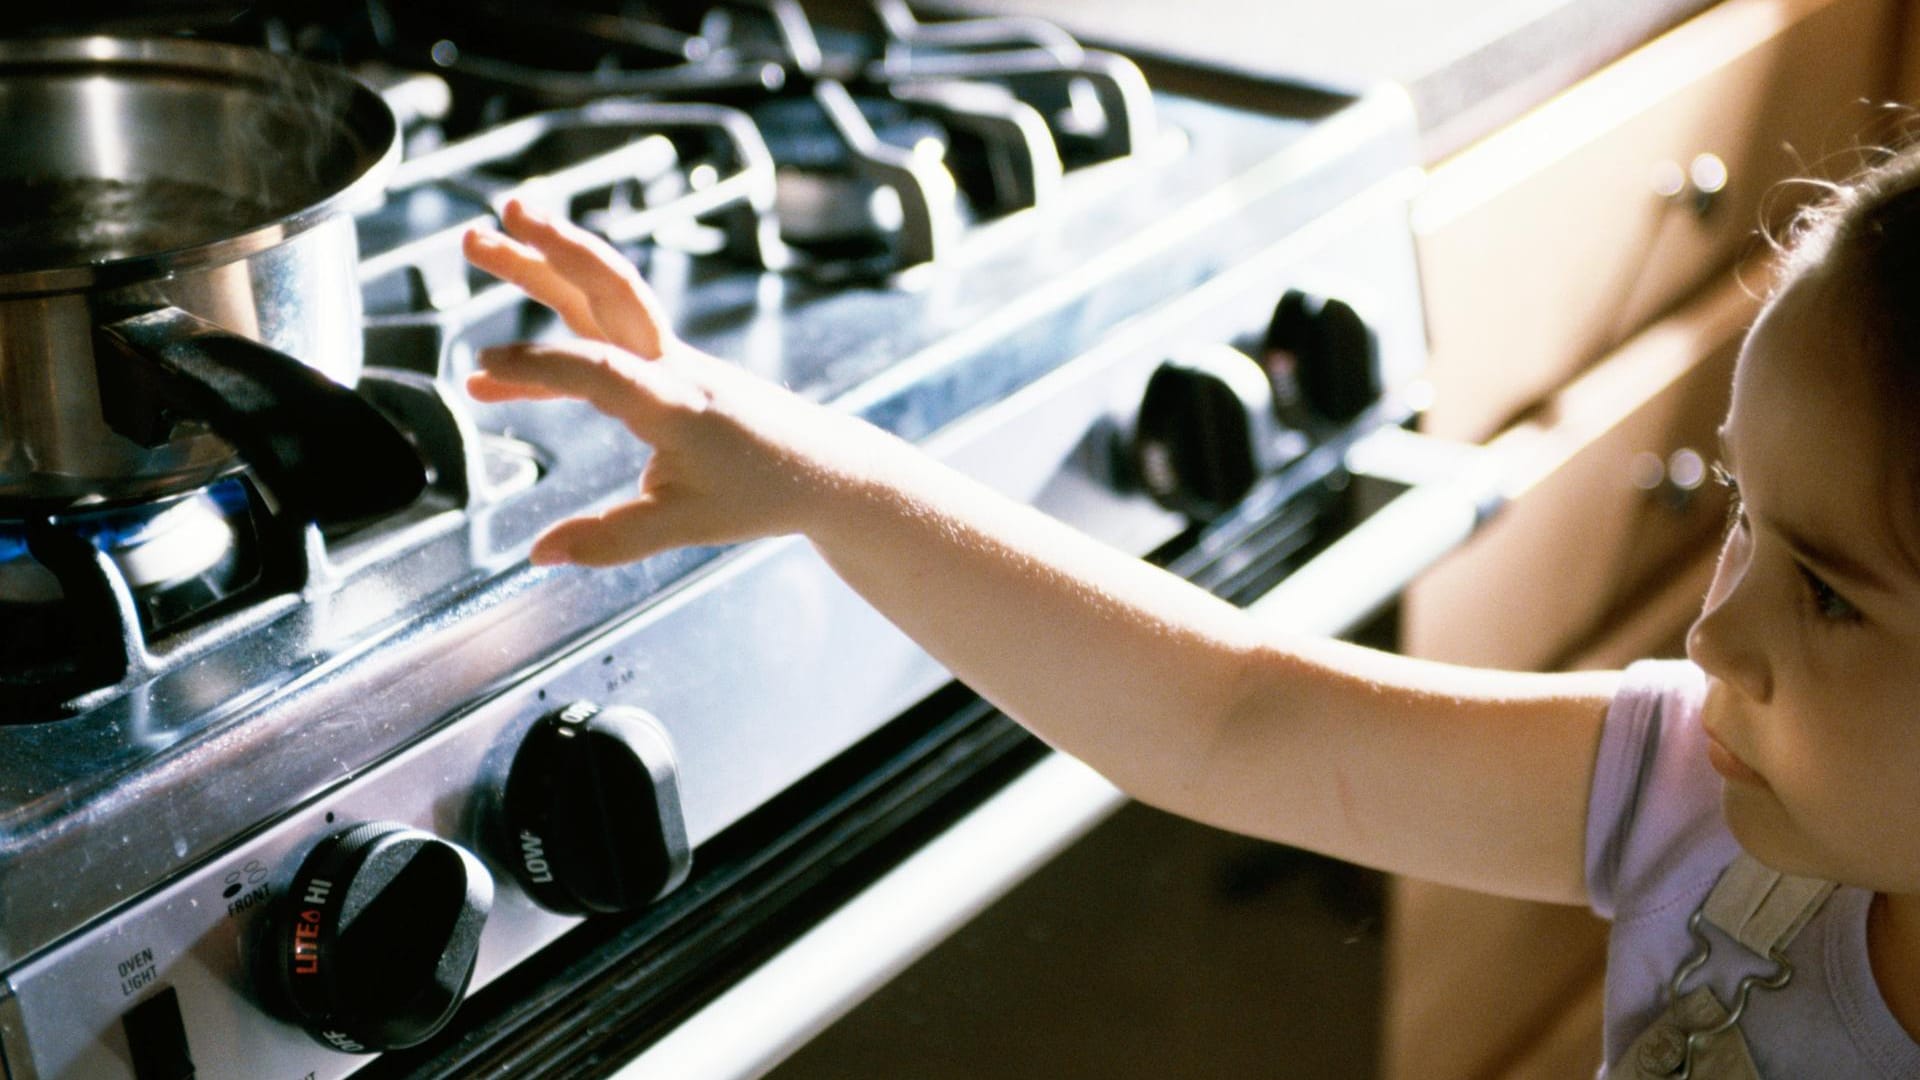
[951, 891]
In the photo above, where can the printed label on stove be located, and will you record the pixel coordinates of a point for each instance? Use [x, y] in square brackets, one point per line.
[616, 678]
[317, 891]
[306, 944]
[533, 856]
[136, 972]
[306, 929]
[236, 881]
[344, 1042]
[247, 900]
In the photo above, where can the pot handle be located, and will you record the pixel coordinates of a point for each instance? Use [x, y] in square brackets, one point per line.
[322, 452]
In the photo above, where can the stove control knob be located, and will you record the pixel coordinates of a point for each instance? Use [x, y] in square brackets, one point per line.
[373, 943]
[1322, 358]
[590, 811]
[1208, 430]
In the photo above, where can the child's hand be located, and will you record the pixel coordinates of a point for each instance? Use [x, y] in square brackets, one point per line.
[734, 457]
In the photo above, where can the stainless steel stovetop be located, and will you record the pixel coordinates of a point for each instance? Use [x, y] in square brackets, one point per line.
[149, 826]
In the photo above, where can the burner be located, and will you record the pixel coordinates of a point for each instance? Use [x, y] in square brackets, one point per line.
[176, 556]
[502, 62]
[81, 595]
[1096, 105]
[888, 147]
[862, 187]
[630, 170]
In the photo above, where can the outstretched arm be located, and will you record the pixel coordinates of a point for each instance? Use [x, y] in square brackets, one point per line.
[1470, 777]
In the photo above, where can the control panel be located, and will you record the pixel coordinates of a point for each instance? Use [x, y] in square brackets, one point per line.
[356, 931]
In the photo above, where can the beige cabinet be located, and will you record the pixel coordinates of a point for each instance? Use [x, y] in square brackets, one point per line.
[1585, 313]
[1603, 561]
[1620, 493]
[1549, 243]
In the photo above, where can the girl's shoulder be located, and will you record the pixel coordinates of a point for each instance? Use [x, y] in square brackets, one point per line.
[1655, 836]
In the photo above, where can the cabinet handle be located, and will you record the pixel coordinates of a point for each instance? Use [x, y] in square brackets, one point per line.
[1699, 183]
[1674, 481]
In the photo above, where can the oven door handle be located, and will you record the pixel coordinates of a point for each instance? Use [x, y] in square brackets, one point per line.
[846, 957]
[1451, 490]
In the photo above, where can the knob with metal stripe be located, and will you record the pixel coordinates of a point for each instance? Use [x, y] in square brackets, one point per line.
[590, 815]
[373, 943]
[1322, 358]
[1207, 431]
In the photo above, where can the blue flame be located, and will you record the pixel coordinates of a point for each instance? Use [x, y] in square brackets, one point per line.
[121, 527]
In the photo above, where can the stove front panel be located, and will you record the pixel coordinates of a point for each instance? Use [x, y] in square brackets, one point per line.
[759, 666]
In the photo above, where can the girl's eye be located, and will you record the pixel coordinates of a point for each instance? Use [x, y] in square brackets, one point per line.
[1827, 603]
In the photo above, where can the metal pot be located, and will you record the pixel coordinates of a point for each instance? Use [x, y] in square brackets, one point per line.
[175, 231]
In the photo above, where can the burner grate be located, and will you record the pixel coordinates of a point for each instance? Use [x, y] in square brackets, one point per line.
[887, 147]
[83, 595]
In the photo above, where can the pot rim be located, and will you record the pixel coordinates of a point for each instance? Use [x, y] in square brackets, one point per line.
[367, 115]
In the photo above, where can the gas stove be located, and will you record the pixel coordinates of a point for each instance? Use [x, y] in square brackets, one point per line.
[276, 797]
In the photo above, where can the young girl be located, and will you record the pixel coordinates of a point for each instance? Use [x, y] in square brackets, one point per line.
[1802, 692]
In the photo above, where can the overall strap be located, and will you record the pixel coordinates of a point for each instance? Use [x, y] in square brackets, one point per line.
[1763, 909]
[1698, 1037]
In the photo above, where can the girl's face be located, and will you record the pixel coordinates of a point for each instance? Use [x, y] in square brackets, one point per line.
[1810, 634]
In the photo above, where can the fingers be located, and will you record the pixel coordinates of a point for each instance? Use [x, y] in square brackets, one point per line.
[634, 391]
[522, 265]
[592, 287]
[627, 533]
[619, 302]
[491, 388]
[621, 370]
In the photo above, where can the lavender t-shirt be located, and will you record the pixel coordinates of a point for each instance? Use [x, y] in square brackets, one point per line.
[1655, 845]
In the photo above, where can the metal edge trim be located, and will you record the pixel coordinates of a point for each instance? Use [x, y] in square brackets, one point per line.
[15, 1062]
[840, 962]
[1359, 573]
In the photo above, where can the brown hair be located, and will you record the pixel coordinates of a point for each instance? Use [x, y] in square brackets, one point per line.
[1868, 229]
[1866, 232]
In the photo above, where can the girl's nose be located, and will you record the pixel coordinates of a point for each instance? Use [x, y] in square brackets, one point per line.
[1727, 640]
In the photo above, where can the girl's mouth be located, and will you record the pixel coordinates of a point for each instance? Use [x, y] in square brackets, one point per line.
[1729, 766]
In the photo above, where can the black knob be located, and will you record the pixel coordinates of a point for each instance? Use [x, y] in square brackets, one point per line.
[1322, 358]
[372, 945]
[590, 813]
[1207, 431]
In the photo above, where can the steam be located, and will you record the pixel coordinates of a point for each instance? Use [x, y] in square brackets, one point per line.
[297, 142]
[187, 146]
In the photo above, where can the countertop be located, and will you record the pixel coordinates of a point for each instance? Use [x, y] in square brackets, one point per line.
[1470, 66]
